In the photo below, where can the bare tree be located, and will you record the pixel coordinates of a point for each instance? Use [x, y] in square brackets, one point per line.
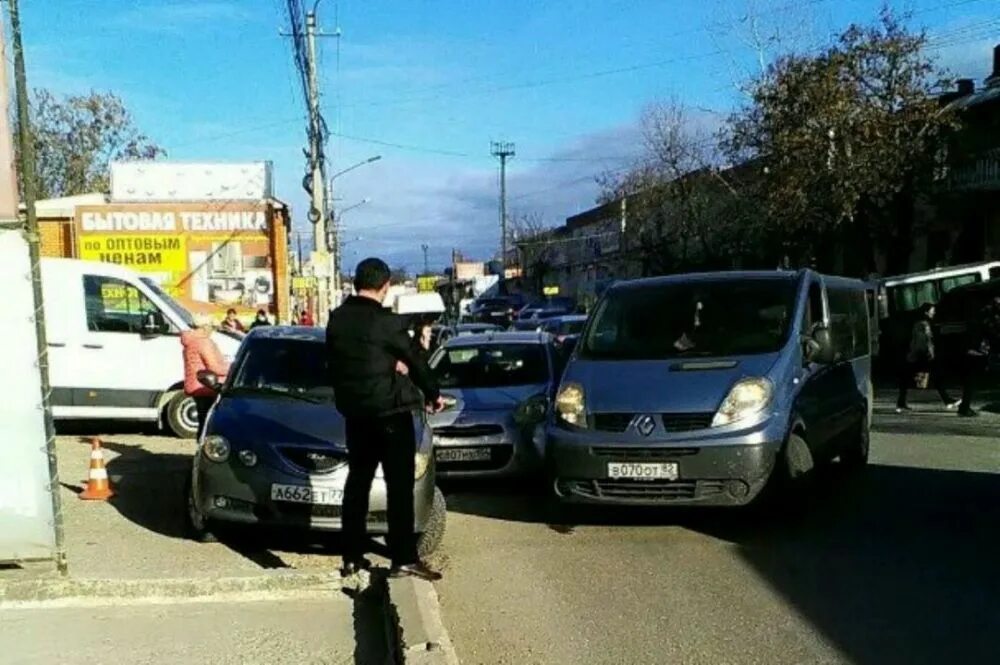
[531, 235]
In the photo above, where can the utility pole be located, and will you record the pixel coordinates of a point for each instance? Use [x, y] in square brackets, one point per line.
[427, 265]
[504, 150]
[317, 210]
[27, 167]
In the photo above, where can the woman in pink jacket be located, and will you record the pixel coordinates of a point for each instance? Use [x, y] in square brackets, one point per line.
[201, 353]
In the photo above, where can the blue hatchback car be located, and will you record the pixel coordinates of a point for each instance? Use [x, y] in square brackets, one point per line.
[274, 451]
[700, 389]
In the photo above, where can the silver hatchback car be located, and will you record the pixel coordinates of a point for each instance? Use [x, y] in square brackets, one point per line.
[498, 389]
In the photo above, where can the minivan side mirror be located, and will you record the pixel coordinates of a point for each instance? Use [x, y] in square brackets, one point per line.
[153, 324]
[818, 345]
[209, 379]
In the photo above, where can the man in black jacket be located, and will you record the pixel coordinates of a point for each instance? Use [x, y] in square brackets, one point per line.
[364, 344]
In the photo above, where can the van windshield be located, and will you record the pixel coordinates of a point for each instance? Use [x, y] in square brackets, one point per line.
[174, 306]
[725, 317]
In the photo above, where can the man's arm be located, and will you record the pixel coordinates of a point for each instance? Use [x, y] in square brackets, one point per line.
[400, 346]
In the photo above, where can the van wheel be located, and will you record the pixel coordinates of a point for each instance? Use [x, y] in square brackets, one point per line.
[430, 538]
[182, 416]
[793, 461]
[855, 454]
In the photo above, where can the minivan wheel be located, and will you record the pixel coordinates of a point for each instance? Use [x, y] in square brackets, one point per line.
[430, 538]
[182, 416]
[195, 523]
[854, 456]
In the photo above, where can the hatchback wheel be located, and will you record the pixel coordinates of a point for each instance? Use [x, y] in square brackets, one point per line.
[430, 538]
[195, 523]
[182, 416]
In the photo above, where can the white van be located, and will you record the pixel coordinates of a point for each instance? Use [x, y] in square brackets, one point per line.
[114, 346]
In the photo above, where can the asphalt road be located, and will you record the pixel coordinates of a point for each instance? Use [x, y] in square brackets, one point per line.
[897, 565]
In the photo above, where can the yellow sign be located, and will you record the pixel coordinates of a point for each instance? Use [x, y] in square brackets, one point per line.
[426, 284]
[550, 291]
[145, 253]
[303, 283]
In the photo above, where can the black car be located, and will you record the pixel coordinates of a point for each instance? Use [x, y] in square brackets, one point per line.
[498, 310]
[958, 321]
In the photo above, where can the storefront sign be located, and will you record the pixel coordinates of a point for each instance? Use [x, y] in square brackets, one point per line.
[209, 256]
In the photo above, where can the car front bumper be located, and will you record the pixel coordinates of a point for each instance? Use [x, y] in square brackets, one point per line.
[230, 492]
[513, 452]
[714, 469]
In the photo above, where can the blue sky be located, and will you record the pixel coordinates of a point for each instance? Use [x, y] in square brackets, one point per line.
[564, 79]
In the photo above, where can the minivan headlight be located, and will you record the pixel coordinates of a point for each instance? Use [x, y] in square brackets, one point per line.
[531, 411]
[420, 463]
[215, 448]
[747, 398]
[571, 404]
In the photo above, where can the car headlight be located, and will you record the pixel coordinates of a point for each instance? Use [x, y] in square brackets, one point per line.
[215, 448]
[747, 398]
[571, 406]
[449, 402]
[420, 463]
[531, 411]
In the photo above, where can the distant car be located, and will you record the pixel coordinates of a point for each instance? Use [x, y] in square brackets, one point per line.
[959, 310]
[562, 327]
[274, 451]
[532, 316]
[445, 333]
[499, 310]
[498, 389]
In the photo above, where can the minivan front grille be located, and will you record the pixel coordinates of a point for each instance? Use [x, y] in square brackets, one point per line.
[686, 422]
[612, 422]
[643, 490]
[314, 460]
[644, 454]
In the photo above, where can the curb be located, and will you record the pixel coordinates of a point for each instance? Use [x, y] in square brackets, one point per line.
[416, 631]
[75, 592]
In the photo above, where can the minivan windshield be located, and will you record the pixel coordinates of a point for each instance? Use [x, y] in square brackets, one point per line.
[723, 317]
[491, 366]
[174, 306]
[292, 367]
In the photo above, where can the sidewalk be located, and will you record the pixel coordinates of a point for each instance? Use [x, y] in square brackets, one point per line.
[138, 590]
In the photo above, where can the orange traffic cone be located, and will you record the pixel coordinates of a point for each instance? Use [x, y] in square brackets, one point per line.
[98, 486]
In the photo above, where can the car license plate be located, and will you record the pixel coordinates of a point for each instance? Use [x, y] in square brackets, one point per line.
[462, 454]
[325, 496]
[643, 470]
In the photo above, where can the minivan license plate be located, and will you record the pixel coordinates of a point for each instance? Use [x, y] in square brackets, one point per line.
[326, 496]
[643, 470]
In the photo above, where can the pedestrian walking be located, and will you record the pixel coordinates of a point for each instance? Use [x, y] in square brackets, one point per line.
[260, 320]
[233, 323]
[921, 366]
[201, 353]
[364, 343]
[982, 345]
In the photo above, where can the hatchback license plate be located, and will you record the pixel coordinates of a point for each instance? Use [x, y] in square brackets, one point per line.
[324, 496]
[643, 470]
[462, 454]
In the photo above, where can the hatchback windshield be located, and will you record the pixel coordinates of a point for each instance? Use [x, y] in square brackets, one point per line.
[491, 366]
[284, 366]
[698, 318]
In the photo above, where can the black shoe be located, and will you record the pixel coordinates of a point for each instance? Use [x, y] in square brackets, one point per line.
[902, 408]
[354, 566]
[418, 569]
[968, 413]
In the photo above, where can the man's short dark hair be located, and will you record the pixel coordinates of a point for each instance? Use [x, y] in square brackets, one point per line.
[371, 275]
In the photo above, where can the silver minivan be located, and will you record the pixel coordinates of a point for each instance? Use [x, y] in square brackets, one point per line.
[701, 388]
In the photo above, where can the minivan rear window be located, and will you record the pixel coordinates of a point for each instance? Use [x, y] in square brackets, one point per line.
[724, 317]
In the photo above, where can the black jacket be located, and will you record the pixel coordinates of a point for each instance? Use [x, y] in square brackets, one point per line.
[363, 343]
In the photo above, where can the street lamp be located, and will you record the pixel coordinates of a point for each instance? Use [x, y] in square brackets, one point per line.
[333, 230]
[355, 166]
